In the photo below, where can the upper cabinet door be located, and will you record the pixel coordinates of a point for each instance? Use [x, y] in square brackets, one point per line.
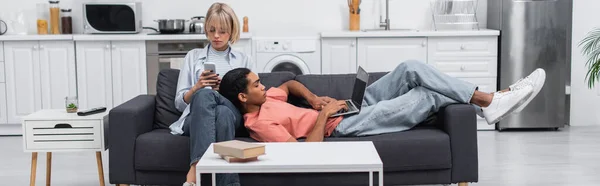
[128, 70]
[57, 61]
[338, 55]
[384, 54]
[23, 88]
[94, 83]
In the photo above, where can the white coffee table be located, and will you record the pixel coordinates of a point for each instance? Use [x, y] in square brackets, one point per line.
[55, 130]
[300, 157]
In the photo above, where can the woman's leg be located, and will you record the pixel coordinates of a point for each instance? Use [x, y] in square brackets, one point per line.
[212, 119]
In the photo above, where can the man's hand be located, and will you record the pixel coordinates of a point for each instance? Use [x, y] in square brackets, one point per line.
[333, 107]
[319, 102]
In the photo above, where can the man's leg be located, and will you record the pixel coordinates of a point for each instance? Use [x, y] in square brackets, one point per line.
[394, 115]
[211, 120]
[411, 74]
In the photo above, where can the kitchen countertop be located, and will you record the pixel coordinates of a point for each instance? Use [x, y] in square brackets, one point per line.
[410, 33]
[111, 37]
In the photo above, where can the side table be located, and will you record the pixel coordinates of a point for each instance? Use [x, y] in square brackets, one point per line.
[55, 130]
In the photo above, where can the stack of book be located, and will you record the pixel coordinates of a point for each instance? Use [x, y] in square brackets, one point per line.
[239, 151]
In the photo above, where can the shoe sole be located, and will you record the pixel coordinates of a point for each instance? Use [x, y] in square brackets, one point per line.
[535, 92]
[510, 110]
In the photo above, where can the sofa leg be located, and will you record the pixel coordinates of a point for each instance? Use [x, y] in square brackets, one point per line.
[463, 184]
[122, 184]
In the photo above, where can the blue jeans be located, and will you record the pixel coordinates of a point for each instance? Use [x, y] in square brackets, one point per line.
[404, 98]
[212, 118]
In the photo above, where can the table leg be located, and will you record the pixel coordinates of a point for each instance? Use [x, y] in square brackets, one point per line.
[214, 179]
[100, 168]
[381, 177]
[370, 178]
[33, 168]
[48, 167]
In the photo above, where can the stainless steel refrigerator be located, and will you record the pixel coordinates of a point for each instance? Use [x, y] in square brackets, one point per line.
[534, 34]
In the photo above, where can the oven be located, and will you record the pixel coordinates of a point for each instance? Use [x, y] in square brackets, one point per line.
[167, 55]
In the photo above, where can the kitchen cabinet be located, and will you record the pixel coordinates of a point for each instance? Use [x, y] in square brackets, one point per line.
[384, 54]
[244, 45]
[110, 72]
[3, 111]
[338, 55]
[39, 74]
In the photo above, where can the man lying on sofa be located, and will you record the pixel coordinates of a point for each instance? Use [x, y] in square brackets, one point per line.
[398, 101]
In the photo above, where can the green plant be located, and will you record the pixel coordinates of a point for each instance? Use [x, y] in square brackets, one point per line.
[72, 106]
[591, 49]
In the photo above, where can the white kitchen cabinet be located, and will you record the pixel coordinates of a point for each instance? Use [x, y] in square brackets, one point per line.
[128, 70]
[110, 72]
[338, 55]
[384, 54]
[3, 111]
[94, 82]
[244, 45]
[57, 70]
[1, 51]
[467, 66]
[482, 46]
[23, 83]
[2, 73]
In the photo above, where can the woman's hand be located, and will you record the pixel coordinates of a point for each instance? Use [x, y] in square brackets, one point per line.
[207, 78]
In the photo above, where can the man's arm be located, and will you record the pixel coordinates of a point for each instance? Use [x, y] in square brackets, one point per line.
[297, 89]
[318, 132]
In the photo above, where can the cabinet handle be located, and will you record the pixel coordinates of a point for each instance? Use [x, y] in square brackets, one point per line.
[424, 44]
[462, 68]
[41, 47]
[353, 44]
[462, 47]
[35, 47]
[107, 46]
[114, 47]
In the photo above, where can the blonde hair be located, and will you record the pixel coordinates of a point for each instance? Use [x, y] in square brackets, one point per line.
[224, 15]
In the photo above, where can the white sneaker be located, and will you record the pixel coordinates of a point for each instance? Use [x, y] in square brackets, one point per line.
[189, 184]
[536, 79]
[504, 103]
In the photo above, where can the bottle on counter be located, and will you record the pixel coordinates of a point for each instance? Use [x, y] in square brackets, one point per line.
[42, 18]
[54, 17]
[66, 21]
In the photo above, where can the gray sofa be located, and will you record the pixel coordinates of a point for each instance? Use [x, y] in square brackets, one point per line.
[442, 150]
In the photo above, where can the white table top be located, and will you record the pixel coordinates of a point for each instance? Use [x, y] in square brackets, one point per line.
[61, 114]
[300, 157]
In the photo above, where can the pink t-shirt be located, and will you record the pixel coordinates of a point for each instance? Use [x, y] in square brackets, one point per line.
[277, 120]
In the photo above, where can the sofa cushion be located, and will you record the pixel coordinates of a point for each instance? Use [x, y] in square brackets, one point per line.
[166, 87]
[338, 86]
[422, 148]
[160, 150]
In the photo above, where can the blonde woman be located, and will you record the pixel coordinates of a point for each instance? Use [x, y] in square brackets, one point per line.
[207, 116]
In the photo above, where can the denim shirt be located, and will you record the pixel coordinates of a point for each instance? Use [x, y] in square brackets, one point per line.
[189, 74]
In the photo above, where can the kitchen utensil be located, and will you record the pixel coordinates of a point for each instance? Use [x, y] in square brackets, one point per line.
[4, 28]
[197, 25]
[245, 29]
[170, 26]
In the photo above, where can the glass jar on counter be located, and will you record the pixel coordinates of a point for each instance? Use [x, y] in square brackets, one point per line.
[54, 17]
[66, 21]
[42, 18]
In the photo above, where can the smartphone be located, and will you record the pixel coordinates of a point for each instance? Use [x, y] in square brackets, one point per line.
[210, 66]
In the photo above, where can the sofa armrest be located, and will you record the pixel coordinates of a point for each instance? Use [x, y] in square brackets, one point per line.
[127, 122]
[460, 122]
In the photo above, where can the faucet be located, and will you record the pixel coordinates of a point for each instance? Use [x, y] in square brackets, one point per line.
[385, 24]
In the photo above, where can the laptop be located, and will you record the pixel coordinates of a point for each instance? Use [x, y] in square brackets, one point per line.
[358, 92]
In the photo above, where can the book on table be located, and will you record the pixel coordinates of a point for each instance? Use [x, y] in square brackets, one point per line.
[239, 149]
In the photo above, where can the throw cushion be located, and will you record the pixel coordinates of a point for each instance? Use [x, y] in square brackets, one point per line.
[166, 87]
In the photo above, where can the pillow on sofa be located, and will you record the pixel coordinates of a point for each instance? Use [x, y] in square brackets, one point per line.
[166, 86]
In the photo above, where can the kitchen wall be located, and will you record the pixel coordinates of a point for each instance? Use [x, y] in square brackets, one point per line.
[266, 17]
[585, 102]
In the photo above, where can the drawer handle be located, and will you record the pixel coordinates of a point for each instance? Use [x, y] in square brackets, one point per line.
[462, 68]
[462, 47]
[62, 125]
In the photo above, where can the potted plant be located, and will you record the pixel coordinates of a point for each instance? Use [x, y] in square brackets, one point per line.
[71, 104]
[591, 49]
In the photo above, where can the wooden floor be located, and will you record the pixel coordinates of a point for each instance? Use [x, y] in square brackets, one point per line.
[570, 156]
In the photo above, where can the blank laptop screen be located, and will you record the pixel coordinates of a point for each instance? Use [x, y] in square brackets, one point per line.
[360, 84]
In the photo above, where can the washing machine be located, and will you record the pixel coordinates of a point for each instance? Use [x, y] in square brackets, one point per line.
[299, 55]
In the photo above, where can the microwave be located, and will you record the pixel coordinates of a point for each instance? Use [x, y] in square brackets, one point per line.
[112, 18]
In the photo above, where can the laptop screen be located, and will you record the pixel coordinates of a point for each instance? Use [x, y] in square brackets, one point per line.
[360, 85]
